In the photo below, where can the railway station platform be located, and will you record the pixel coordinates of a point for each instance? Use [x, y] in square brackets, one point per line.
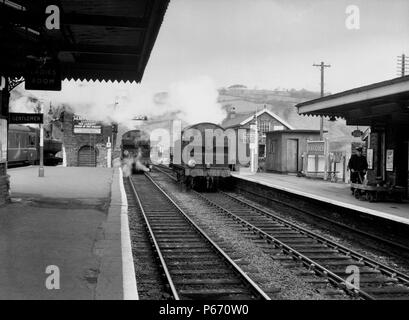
[338, 194]
[72, 218]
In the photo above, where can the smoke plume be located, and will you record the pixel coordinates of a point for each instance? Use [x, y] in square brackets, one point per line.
[191, 101]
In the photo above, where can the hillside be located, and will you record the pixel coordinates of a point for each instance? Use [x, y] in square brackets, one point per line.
[282, 102]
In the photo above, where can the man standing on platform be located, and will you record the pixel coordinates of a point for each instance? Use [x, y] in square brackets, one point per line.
[358, 166]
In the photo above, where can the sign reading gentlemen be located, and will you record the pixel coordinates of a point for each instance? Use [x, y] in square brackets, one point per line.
[20, 118]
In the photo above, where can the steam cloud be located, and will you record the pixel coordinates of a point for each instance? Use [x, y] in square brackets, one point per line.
[191, 101]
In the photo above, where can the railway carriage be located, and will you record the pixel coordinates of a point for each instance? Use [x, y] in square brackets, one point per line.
[202, 166]
[23, 146]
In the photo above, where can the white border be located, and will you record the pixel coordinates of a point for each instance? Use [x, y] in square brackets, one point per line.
[128, 268]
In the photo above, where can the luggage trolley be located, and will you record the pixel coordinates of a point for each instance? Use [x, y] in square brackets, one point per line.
[374, 193]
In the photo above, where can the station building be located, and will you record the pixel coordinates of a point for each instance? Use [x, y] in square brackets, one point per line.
[266, 121]
[287, 149]
[104, 41]
[384, 108]
[87, 143]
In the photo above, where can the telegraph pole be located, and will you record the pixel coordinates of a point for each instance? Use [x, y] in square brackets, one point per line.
[322, 67]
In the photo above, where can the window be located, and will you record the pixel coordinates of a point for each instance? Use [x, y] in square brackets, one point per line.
[261, 150]
[31, 140]
[263, 126]
[18, 140]
[10, 140]
[245, 137]
[23, 137]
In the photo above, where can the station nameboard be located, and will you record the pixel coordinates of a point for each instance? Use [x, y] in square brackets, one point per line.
[83, 126]
[315, 147]
[20, 118]
[44, 77]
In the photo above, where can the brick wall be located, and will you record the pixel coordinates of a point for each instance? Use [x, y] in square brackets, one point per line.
[74, 142]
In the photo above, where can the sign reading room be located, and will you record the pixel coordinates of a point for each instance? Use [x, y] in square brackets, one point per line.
[43, 77]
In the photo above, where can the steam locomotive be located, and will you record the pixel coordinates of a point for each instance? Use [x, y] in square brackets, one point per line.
[199, 165]
[135, 150]
[24, 146]
[203, 166]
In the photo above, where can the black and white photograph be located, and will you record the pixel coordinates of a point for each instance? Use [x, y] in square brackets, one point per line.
[212, 158]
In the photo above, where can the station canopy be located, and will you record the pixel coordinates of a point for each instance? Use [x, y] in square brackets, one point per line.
[375, 104]
[98, 39]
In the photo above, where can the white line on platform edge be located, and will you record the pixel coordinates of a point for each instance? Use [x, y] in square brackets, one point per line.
[373, 212]
[128, 268]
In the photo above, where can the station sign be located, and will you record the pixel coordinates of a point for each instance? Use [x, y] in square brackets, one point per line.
[21, 118]
[84, 126]
[315, 147]
[357, 133]
[43, 77]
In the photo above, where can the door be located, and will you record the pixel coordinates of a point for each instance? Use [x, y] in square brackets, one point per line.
[87, 157]
[401, 160]
[273, 160]
[292, 155]
[402, 165]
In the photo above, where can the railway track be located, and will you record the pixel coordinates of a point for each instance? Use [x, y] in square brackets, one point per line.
[318, 254]
[395, 246]
[147, 271]
[194, 267]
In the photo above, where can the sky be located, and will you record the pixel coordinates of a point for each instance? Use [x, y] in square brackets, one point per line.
[273, 43]
[266, 44]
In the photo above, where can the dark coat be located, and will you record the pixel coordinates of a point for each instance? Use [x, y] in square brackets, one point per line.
[358, 163]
